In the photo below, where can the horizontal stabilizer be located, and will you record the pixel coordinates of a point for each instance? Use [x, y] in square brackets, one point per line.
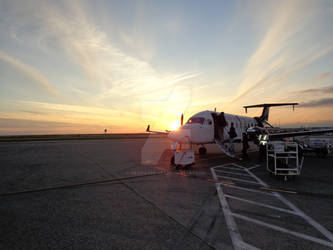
[270, 105]
[265, 112]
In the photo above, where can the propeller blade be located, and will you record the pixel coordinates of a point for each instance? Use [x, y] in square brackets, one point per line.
[182, 120]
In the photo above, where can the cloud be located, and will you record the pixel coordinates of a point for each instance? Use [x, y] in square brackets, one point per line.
[325, 102]
[324, 90]
[111, 75]
[31, 112]
[66, 27]
[33, 127]
[32, 73]
[107, 66]
[325, 75]
[282, 51]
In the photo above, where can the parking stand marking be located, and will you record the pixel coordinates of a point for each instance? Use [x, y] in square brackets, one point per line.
[235, 235]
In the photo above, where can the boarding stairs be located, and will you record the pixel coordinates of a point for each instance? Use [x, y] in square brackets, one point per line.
[224, 149]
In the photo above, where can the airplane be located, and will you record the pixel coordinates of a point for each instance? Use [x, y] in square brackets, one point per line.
[208, 127]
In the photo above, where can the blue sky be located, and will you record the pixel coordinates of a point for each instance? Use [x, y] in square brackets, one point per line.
[82, 66]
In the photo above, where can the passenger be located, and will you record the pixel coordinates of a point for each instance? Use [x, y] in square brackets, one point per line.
[221, 124]
[245, 146]
[232, 135]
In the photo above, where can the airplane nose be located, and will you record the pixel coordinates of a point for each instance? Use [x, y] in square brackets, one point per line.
[180, 135]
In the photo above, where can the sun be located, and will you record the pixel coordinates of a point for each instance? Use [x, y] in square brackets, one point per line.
[175, 125]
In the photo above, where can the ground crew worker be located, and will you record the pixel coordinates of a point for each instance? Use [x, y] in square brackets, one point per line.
[262, 151]
[245, 146]
[232, 135]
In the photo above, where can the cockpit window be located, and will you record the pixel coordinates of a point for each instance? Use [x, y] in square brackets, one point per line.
[199, 120]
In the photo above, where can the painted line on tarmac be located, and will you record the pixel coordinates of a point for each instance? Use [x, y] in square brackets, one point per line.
[311, 221]
[227, 172]
[261, 204]
[238, 179]
[255, 166]
[235, 235]
[232, 226]
[284, 230]
[249, 189]
[77, 185]
[279, 190]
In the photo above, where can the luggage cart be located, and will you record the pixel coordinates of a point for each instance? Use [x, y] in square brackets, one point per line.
[183, 155]
[284, 158]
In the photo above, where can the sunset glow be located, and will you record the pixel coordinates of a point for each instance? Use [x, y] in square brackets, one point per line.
[81, 67]
[174, 125]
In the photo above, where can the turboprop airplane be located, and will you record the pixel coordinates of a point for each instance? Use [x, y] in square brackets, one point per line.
[208, 127]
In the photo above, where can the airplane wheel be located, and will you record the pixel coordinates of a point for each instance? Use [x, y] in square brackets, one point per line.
[202, 151]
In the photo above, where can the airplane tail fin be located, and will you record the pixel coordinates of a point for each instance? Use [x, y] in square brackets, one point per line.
[265, 112]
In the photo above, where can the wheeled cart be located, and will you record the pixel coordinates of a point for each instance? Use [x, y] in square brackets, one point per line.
[284, 158]
[183, 155]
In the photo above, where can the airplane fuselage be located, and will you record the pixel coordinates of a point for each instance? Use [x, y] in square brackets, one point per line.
[204, 128]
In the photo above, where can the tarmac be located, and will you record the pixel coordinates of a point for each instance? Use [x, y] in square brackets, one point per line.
[122, 194]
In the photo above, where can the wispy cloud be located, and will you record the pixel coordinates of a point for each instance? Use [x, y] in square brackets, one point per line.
[32, 73]
[324, 90]
[278, 54]
[108, 67]
[72, 114]
[115, 78]
[325, 102]
[325, 75]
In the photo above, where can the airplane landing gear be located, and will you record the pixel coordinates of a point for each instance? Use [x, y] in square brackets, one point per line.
[202, 151]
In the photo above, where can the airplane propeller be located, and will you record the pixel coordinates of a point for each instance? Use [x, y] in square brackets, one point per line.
[182, 119]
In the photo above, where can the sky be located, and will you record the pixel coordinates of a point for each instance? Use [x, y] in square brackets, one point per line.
[83, 66]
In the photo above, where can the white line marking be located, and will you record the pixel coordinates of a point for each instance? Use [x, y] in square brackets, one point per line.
[248, 189]
[261, 204]
[237, 179]
[295, 211]
[255, 166]
[227, 172]
[284, 230]
[255, 177]
[247, 246]
[235, 236]
[312, 222]
[239, 169]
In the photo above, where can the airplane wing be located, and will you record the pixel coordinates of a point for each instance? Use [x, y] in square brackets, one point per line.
[300, 133]
[157, 132]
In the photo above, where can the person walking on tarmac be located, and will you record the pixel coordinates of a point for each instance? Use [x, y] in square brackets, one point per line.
[232, 135]
[246, 146]
[262, 151]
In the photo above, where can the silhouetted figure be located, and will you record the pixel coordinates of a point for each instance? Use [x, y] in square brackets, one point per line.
[262, 152]
[232, 135]
[221, 122]
[245, 146]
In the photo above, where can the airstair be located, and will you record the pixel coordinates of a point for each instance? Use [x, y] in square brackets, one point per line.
[224, 149]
